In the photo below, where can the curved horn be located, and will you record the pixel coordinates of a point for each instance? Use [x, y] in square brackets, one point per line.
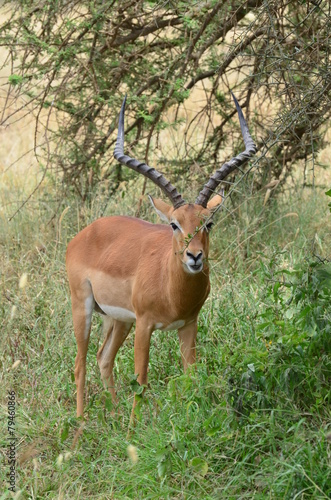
[228, 167]
[143, 168]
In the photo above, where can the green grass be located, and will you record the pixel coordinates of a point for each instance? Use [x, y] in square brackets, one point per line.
[252, 420]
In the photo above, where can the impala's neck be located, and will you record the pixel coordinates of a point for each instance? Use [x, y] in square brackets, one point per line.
[189, 290]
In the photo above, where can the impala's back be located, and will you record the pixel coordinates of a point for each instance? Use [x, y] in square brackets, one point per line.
[107, 258]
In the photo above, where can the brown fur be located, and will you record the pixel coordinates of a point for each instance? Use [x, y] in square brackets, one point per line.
[140, 267]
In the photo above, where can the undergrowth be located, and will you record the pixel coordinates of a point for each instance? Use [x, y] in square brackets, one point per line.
[251, 420]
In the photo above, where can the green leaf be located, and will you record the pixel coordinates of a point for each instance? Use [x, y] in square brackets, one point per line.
[164, 466]
[140, 390]
[199, 465]
[261, 326]
[290, 313]
[108, 402]
[276, 286]
[172, 389]
[15, 79]
[65, 431]
[134, 383]
[146, 117]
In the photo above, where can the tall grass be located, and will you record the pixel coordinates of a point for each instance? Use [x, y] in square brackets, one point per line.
[252, 420]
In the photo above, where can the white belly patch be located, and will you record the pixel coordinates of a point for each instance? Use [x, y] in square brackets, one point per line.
[118, 313]
[173, 326]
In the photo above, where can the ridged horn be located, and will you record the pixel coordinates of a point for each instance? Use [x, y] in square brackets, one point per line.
[228, 167]
[142, 168]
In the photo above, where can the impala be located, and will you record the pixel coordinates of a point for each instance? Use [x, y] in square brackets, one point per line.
[155, 275]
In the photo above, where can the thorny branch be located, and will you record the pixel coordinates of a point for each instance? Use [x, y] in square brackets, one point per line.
[77, 59]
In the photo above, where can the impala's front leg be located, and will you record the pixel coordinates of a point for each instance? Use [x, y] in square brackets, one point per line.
[141, 354]
[187, 339]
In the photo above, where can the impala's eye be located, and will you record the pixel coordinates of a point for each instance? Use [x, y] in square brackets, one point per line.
[209, 226]
[173, 225]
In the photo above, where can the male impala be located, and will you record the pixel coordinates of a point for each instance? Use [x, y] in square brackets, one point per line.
[134, 271]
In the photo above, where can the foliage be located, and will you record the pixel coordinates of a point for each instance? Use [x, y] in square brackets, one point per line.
[251, 420]
[328, 193]
[73, 62]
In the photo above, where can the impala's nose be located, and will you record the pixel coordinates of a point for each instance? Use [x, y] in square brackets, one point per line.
[194, 262]
[194, 257]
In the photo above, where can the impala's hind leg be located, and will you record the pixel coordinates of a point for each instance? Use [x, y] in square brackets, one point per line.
[116, 333]
[82, 308]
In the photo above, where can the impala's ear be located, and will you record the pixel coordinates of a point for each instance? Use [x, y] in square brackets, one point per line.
[162, 209]
[215, 202]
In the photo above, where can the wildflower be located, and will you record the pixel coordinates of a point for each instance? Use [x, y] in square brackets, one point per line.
[132, 452]
[23, 281]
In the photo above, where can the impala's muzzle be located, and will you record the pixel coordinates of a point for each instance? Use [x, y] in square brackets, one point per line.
[193, 261]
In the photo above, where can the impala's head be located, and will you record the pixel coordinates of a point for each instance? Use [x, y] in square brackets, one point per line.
[190, 223]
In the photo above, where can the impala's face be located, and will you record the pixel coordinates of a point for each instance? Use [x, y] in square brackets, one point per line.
[191, 225]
